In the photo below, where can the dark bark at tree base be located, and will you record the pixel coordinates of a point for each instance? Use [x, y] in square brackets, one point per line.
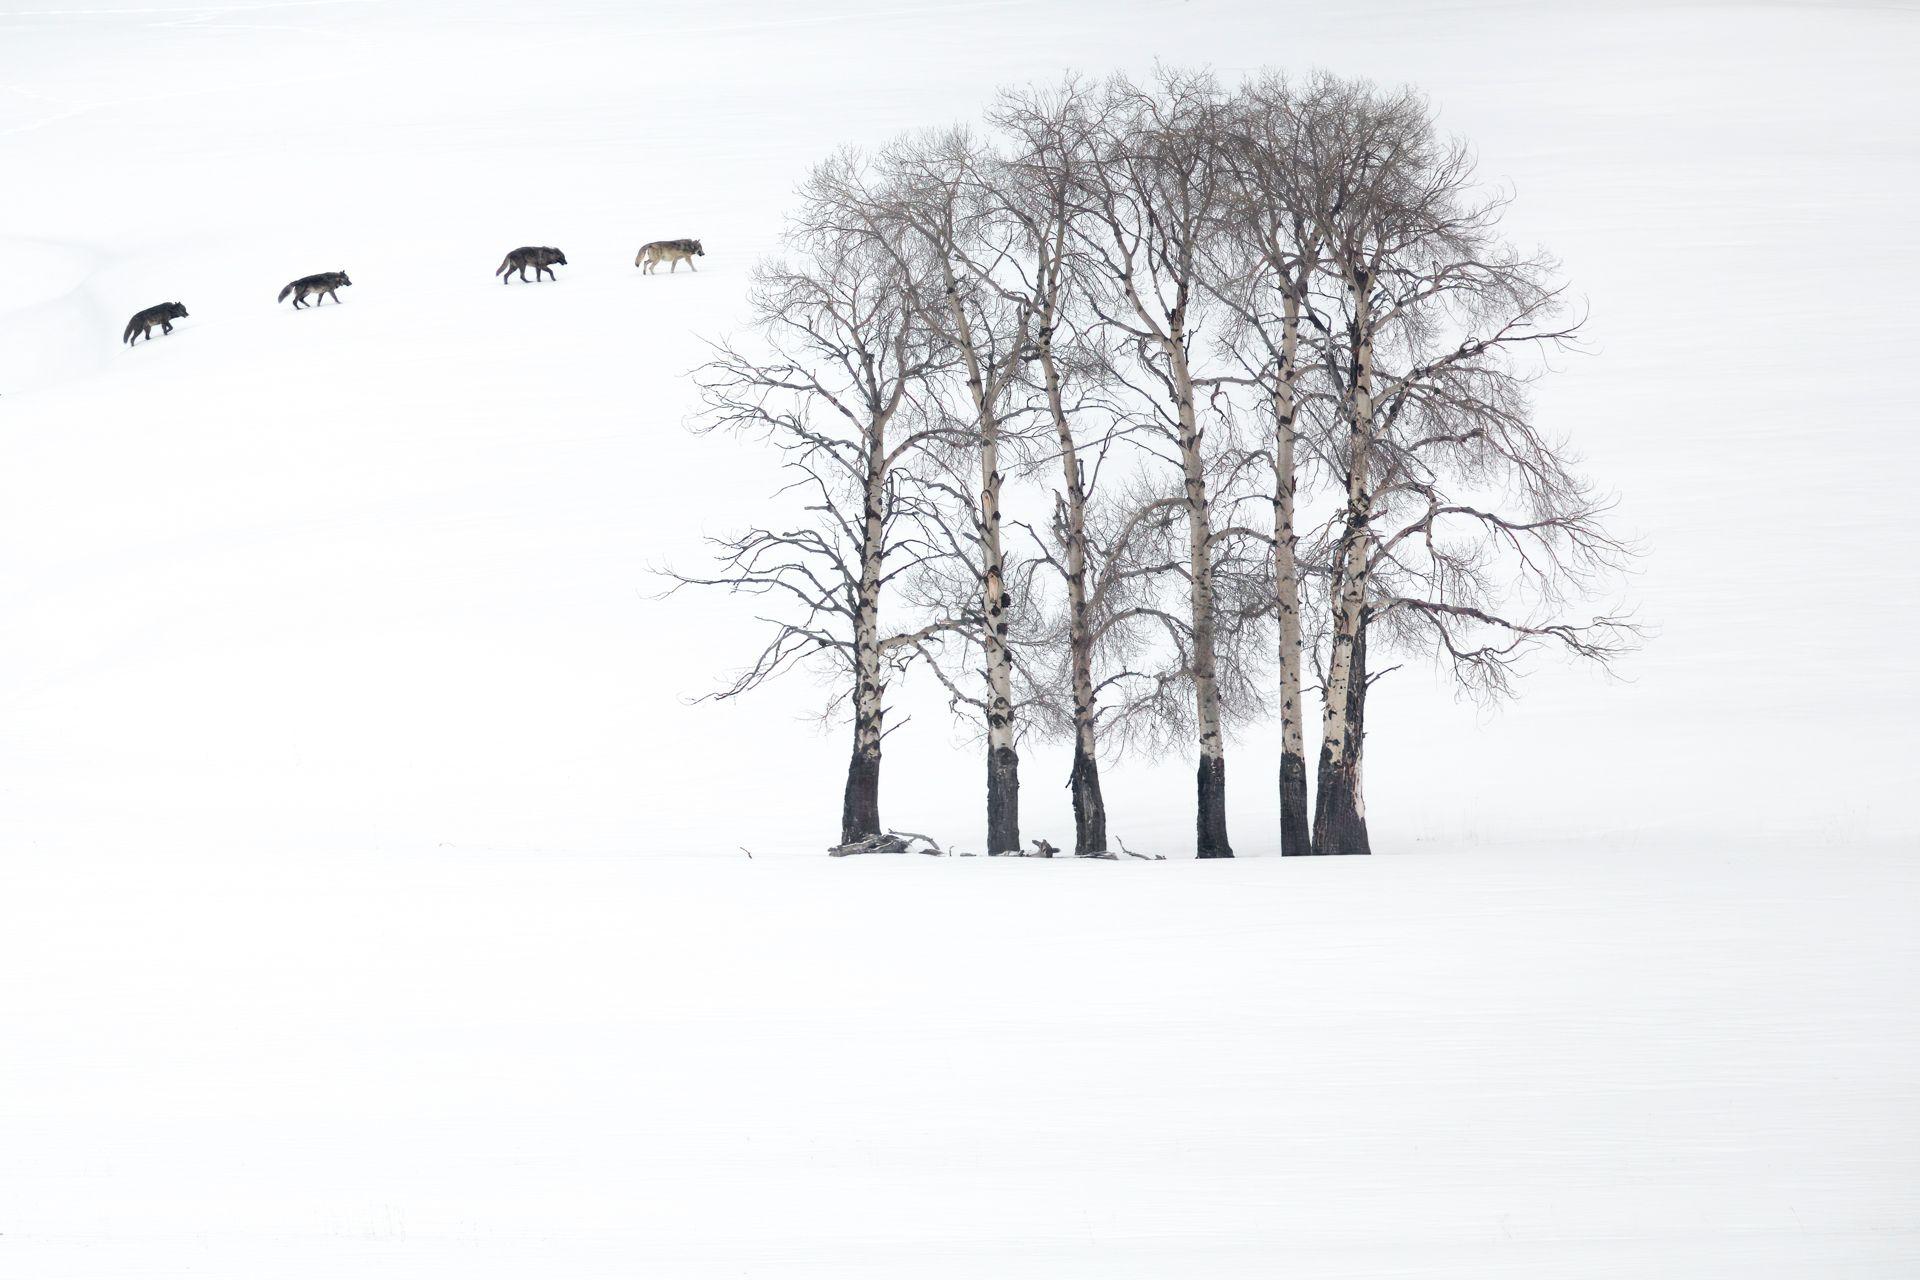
[1003, 801]
[860, 813]
[1340, 820]
[1339, 825]
[1211, 819]
[1296, 837]
[1089, 806]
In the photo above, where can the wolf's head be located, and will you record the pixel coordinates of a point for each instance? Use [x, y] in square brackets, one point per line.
[698, 250]
[343, 278]
[175, 311]
[559, 258]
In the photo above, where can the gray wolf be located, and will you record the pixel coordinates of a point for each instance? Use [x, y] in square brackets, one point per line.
[143, 321]
[539, 258]
[672, 252]
[322, 285]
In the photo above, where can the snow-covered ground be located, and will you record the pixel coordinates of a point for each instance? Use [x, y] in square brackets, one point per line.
[1468, 1065]
[371, 899]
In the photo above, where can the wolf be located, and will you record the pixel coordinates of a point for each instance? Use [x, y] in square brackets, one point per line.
[322, 285]
[673, 252]
[540, 259]
[143, 321]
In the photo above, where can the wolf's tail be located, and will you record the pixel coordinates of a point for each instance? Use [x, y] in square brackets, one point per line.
[283, 294]
[504, 264]
[127, 337]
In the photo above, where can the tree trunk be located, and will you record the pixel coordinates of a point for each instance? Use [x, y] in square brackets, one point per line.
[1089, 806]
[1295, 836]
[1340, 823]
[1296, 832]
[1003, 761]
[1070, 519]
[1003, 801]
[1210, 819]
[1211, 798]
[860, 811]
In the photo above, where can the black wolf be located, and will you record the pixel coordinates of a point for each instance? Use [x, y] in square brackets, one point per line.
[673, 252]
[540, 259]
[143, 321]
[322, 285]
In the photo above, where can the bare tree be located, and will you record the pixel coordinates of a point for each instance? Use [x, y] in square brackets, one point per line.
[837, 384]
[1146, 210]
[1186, 310]
[1272, 255]
[1436, 319]
[1031, 206]
[932, 204]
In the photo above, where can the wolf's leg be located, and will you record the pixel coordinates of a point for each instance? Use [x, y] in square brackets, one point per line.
[166, 326]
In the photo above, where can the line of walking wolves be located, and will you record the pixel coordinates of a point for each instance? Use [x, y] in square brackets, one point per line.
[539, 258]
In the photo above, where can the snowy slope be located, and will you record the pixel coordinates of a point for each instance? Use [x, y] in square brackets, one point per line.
[372, 900]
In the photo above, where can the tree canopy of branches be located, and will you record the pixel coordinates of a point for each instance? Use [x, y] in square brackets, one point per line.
[1161, 309]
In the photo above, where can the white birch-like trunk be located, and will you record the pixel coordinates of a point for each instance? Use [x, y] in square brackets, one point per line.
[1211, 812]
[1089, 805]
[1339, 821]
[1003, 762]
[860, 812]
[1295, 834]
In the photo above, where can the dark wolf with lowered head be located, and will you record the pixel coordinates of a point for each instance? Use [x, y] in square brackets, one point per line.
[143, 321]
[541, 259]
[321, 286]
[673, 252]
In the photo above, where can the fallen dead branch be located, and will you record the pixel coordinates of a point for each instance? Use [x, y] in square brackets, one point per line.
[889, 842]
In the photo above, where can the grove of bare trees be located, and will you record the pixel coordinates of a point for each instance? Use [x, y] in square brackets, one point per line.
[1140, 413]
